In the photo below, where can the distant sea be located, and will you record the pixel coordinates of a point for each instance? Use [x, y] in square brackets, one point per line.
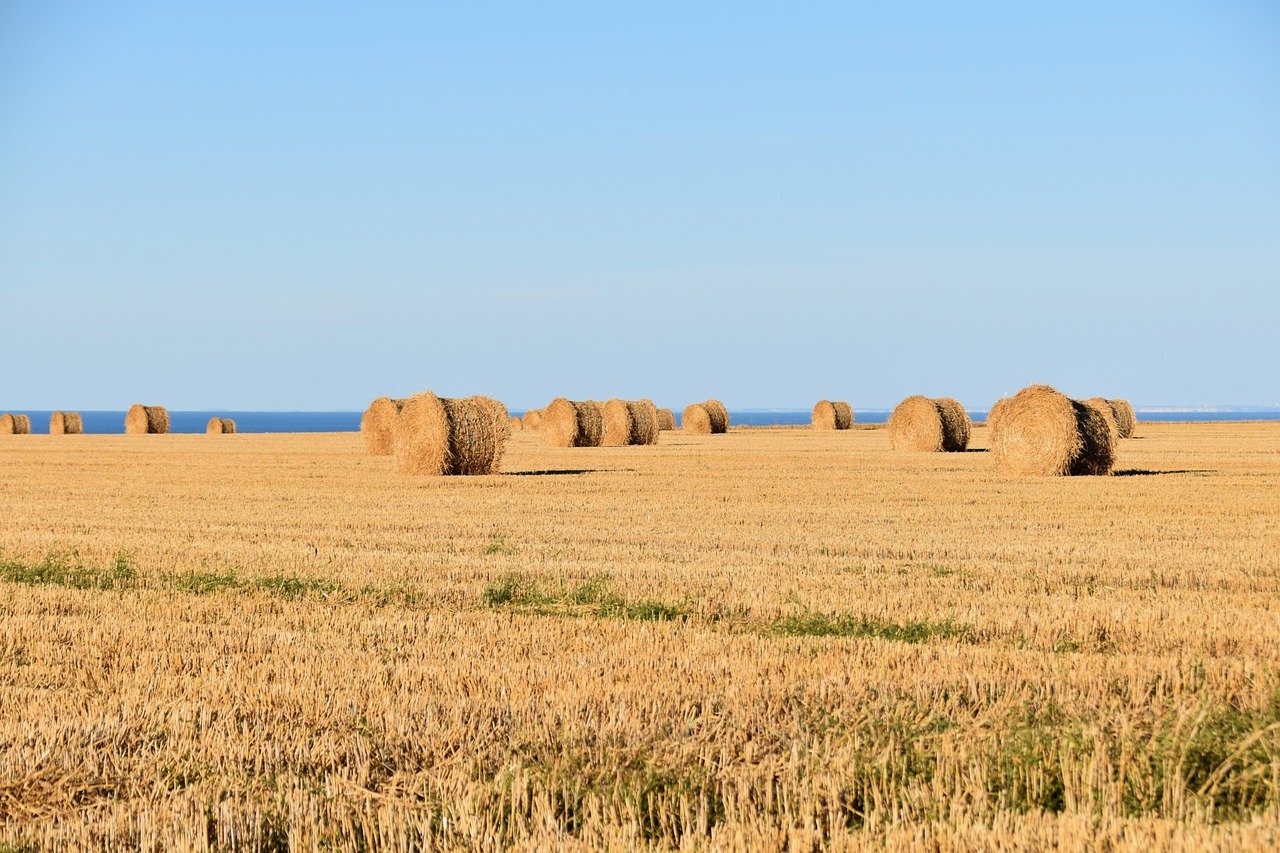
[101, 423]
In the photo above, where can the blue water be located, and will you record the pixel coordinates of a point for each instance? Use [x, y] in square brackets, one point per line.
[102, 423]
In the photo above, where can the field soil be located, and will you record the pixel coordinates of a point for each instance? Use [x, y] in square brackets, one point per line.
[774, 638]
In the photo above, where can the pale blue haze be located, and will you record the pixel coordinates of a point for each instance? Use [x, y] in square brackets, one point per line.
[303, 205]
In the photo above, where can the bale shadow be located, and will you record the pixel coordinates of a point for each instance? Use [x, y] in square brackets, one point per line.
[1146, 472]
[551, 472]
[977, 450]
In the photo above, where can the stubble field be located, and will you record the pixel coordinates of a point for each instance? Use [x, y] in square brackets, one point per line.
[775, 638]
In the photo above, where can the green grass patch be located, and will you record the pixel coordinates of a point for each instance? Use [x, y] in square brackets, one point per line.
[595, 597]
[67, 570]
[824, 625]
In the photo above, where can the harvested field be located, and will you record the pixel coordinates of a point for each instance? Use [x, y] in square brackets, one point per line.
[758, 639]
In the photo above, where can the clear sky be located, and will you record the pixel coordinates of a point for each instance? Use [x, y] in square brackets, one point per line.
[305, 205]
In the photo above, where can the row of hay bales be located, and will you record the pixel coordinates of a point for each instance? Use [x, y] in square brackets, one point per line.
[623, 422]
[60, 423]
[832, 415]
[1039, 430]
[438, 436]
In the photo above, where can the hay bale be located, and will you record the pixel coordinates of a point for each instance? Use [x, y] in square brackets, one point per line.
[719, 416]
[1103, 407]
[1126, 418]
[378, 426]
[916, 424]
[616, 418]
[15, 424]
[517, 425]
[829, 415]
[696, 418]
[146, 420]
[569, 423]
[955, 424]
[1044, 432]
[644, 422]
[220, 426]
[532, 419]
[666, 419]
[442, 436]
[66, 423]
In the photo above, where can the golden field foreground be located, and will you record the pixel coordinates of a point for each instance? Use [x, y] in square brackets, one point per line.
[767, 639]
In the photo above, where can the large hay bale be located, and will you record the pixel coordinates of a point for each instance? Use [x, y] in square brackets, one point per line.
[1044, 432]
[532, 419]
[220, 426]
[146, 420]
[616, 418]
[66, 423]
[956, 425]
[517, 425]
[916, 424]
[696, 418]
[1126, 418]
[569, 423]
[15, 424]
[666, 419]
[829, 415]
[442, 436]
[644, 422]
[719, 416]
[378, 426]
[1103, 407]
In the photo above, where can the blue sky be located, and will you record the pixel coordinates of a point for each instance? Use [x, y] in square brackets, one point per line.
[305, 205]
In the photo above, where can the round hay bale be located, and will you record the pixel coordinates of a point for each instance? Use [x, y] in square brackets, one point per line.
[616, 417]
[1044, 432]
[569, 423]
[378, 426]
[532, 419]
[220, 426]
[955, 424]
[824, 415]
[644, 422]
[517, 425]
[1103, 407]
[1126, 418]
[66, 423]
[666, 419]
[916, 424]
[719, 416]
[439, 436]
[696, 418]
[15, 424]
[146, 420]
[844, 415]
[993, 416]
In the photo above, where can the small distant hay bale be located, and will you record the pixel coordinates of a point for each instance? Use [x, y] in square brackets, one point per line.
[666, 419]
[956, 425]
[916, 424]
[616, 417]
[517, 425]
[719, 416]
[829, 415]
[15, 424]
[66, 423]
[146, 420]
[644, 422]
[696, 418]
[1103, 407]
[1044, 432]
[442, 436]
[378, 425]
[1126, 418]
[993, 416]
[532, 419]
[570, 423]
[220, 426]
